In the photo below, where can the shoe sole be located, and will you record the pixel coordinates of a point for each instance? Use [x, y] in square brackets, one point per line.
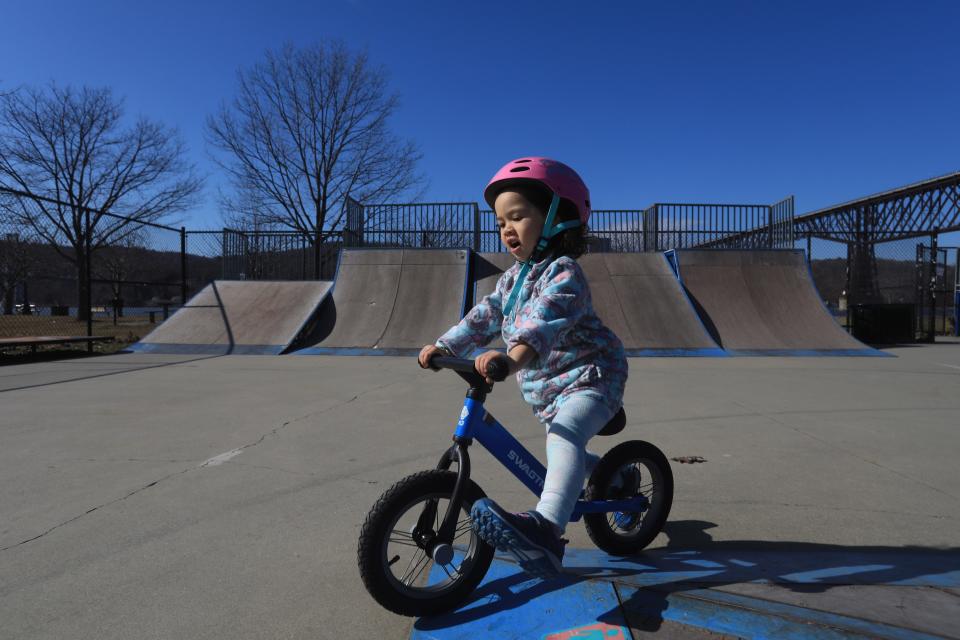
[497, 532]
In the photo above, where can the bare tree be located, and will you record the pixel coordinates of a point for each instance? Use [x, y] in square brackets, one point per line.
[245, 209]
[116, 263]
[308, 127]
[71, 153]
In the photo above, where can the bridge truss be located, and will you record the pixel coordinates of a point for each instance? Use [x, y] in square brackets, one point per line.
[923, 209]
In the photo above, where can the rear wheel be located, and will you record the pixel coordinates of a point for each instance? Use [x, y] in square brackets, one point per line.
[396, 549]
[629, 469]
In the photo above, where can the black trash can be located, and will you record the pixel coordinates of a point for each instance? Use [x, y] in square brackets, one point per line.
[885, 323]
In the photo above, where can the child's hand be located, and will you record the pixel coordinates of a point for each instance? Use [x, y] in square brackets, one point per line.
[426, 353]
[481, 362]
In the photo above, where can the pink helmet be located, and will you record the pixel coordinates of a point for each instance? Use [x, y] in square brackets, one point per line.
[556, 176]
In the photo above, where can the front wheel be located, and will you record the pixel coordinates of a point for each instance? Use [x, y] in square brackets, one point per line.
[629, 469]
[394, 553]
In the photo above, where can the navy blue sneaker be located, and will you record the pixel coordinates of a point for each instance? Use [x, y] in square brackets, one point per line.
[527, 536]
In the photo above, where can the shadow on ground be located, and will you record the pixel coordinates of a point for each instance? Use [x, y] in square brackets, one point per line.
[692, 560]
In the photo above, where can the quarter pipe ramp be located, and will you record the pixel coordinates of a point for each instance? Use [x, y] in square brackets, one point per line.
[763, 303]
[391, 302]
[238, 317]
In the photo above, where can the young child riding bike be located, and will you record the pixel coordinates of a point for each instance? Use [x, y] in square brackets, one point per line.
[570, 367]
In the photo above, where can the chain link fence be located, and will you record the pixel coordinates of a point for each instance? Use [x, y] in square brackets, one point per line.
[71, 271]
[110, 275]
[828, 267]
[937, 291]
[903, 273]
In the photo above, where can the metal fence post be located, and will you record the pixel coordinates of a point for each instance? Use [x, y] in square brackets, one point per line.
[88, 276]
[847, 292]
[934, 259]
[183, 266]
[317, 241]
[476, 227]
[771, 242]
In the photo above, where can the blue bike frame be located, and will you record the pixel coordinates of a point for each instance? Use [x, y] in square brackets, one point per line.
[476, 423]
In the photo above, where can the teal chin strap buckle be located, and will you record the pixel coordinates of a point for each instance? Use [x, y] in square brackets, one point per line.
[549, 231]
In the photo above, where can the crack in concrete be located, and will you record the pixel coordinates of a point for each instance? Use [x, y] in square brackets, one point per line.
[259, 440]
[91, 510]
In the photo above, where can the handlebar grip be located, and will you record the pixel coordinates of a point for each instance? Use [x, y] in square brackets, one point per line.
[498, 369]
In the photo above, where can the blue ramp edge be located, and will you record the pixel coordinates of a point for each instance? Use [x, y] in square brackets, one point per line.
[346, 351]
[509, 605]
[676, 353]
[813, 353]
[208, 349]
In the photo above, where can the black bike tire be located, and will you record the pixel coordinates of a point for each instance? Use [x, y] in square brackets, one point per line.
[373, 572]
[597, 524]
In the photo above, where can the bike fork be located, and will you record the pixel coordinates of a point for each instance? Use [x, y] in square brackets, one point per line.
[440, 545]
[458, 453]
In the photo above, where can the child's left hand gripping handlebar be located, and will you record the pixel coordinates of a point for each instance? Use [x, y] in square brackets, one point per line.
[497, 370]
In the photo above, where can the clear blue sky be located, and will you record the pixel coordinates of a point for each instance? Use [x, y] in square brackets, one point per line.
[652, 102]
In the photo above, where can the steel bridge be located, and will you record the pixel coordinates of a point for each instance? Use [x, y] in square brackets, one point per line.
[926, 208]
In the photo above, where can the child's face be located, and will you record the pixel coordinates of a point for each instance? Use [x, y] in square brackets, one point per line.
[520, 222]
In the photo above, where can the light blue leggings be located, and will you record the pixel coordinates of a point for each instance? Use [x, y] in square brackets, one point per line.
[568, 462]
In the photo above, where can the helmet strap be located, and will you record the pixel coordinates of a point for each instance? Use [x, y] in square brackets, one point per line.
[549, 231]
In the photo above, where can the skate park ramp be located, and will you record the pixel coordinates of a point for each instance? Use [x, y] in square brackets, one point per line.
[391, 301]
[238, 317]
[763, 303]
[637, 295]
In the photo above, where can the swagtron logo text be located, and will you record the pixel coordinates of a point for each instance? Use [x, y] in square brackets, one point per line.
[525, 468]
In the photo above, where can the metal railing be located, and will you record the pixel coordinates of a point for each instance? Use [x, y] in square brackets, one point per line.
[425, 225]
[660, 227]
[719, 226]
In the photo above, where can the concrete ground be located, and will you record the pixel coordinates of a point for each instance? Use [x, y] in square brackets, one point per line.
[221, 497]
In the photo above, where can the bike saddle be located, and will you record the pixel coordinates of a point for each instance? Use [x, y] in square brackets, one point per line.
[616, 424]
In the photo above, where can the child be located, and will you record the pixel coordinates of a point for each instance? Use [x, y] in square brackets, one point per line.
[571, 368]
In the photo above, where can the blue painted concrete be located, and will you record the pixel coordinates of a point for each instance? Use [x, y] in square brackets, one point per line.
[508, 604]
[673, 585]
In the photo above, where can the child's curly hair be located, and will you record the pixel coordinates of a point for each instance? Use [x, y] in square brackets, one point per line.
[569, 242]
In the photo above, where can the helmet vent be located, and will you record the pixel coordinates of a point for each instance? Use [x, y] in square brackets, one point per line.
[519, 169]
[521, 161]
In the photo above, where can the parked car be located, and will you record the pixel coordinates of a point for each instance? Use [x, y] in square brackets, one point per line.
[19, 308]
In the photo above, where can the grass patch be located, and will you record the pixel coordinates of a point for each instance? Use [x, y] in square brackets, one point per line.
[127, 331]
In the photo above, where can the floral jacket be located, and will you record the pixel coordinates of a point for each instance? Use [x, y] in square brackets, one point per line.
[554, 315]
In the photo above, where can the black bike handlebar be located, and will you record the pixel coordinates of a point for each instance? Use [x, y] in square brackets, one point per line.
[498, 369]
